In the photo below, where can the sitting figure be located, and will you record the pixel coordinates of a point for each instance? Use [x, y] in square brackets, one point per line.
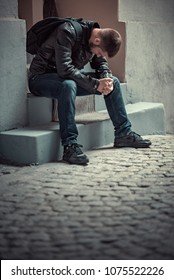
[57, 72]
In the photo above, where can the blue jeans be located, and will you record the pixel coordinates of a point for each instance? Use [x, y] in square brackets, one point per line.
[51, 86]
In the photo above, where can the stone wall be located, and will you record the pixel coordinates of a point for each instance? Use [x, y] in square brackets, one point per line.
[149, 52]
[12, 67]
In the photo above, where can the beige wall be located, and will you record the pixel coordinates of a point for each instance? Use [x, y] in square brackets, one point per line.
[104, 12]
[31, 11]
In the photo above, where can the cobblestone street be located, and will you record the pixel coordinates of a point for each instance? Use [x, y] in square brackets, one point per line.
[119, 206]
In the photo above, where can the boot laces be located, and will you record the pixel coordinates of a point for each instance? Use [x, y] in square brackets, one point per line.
[74, 148]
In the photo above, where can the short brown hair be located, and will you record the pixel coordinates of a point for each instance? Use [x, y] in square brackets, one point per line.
[110, 41]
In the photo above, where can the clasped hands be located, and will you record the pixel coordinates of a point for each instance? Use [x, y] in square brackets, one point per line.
[105, 86]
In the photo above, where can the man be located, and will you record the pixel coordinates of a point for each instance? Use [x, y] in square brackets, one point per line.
[55, 72]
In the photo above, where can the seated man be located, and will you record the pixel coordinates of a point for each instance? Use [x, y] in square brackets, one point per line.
[56, 72]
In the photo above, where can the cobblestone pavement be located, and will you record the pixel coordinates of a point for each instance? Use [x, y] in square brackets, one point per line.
[120, 206]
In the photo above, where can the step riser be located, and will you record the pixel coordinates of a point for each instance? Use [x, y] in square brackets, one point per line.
[28, 150]
[40, 145]
[40, 108]
[47, 147]
[148, 121]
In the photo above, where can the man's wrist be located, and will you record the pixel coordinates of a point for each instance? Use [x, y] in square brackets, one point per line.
[95, 87]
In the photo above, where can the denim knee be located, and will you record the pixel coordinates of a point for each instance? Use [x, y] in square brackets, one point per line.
[116, 82]
[69, 86]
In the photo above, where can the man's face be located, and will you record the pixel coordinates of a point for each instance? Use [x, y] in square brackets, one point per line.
[96, 50]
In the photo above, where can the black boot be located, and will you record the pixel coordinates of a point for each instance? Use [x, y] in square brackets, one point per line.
[74, 155]
[131, 140]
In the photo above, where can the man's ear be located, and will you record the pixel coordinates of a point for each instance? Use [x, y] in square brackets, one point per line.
[97, 41]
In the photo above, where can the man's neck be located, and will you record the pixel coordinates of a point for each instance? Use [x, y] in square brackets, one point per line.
[94, 34]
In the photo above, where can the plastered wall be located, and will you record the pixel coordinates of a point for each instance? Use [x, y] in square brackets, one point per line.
[12, 67]
[149, 52]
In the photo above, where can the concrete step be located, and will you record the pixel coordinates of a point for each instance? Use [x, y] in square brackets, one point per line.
[40, 144]
[40, 108]
[147, 117]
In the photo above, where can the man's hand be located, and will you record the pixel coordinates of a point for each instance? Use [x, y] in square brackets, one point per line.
[105, 86]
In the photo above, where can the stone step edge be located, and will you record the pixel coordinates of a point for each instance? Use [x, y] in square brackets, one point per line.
[40, 144]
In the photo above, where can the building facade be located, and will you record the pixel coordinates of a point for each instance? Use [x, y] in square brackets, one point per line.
[145, 61]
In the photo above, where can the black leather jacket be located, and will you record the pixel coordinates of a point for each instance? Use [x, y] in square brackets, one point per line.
[62, 53]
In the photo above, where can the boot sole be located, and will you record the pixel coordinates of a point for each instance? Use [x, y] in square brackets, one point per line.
[80, 162]
[132, 146]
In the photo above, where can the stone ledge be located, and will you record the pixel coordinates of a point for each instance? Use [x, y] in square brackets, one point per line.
[40, 144]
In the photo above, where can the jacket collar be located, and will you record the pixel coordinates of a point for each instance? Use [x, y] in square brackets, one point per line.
[87, 29]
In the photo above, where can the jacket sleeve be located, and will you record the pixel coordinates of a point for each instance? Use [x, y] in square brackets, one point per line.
[66, 68]
[101, 67]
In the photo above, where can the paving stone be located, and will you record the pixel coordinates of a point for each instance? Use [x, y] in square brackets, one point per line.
[119, 206]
